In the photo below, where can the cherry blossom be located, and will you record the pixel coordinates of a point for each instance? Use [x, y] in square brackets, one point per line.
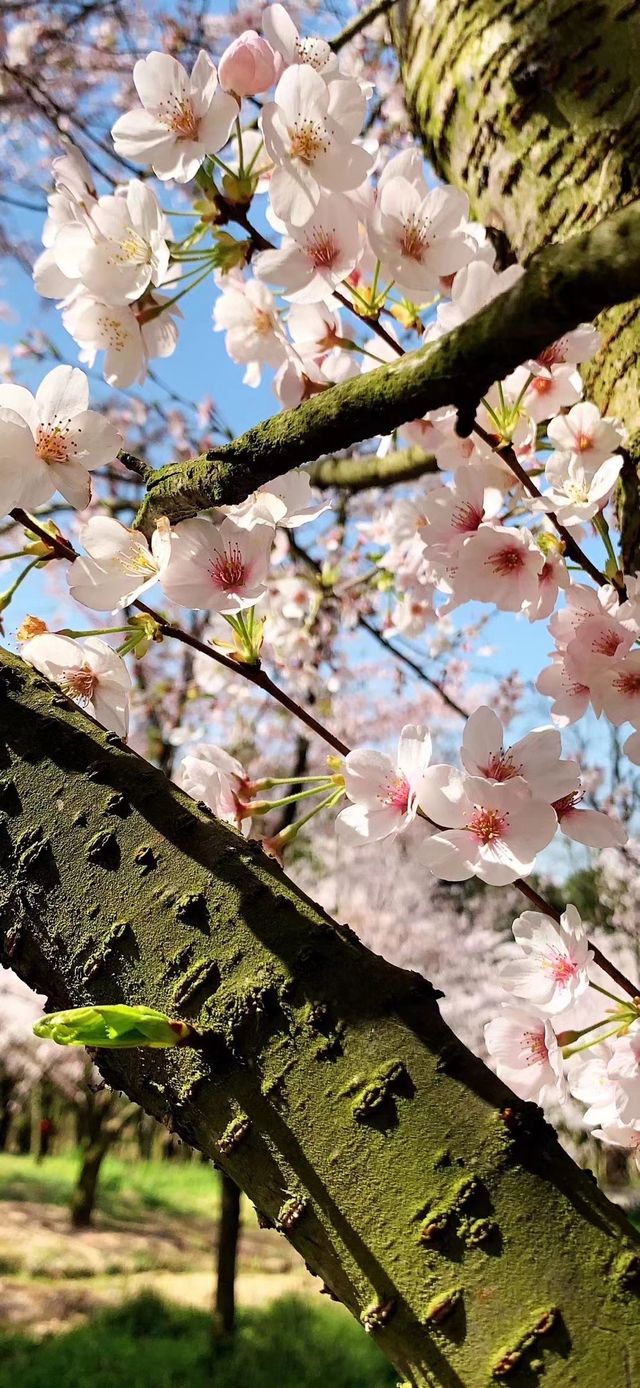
[287, 501]
[119, 564]
[578, 492]
[591, 827]
[499, 564]
[452, 512]
[210, 774]
[581, 344]
[248, 66]
[121, 249]
[128, 336]
[313, 260]
[219, 568]
[309, 131]
[414, 230]
[554, 967]
[527, 1057]
[584, 432]
[615, 690]
[475, 286]
[51, 442]
[246, 312]
[535, 758]
[384, 793]
[182, 117]
[491, 830]
[280, 30]
[89, 671]
[547, 393]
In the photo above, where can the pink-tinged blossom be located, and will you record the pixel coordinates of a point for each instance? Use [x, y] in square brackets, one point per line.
[499, 564]
[455, 511]
[489, 830]
[475, 286]
[210, 774]
[569, 693]
[552, 577]
[384, 793]
[129, 337]
[526, 1054]
[89, 671]
[287, 501]
[590, 827]
[577, 491]
[585, 433]
[545, 394]
[415, 231]
[280, 30]
[246, 311]
[316, 335]
[536, 758]
[217, 568]
[590, 1082]
[553, 969]
[182, 117]
[309, 131]
[51, 442]
[577, 346]
[312, 261]
[119, 564]
[248, 66]
[615, 690]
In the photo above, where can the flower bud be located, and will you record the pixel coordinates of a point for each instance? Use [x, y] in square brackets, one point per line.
[248, 65]
[118, 1027]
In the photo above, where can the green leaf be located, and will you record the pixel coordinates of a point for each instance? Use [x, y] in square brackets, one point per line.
[117, 1026]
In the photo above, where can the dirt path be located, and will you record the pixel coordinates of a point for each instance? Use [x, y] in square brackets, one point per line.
[52, 1277]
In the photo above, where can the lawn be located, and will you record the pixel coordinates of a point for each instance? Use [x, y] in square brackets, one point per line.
[128, 1189]
[149, 1344]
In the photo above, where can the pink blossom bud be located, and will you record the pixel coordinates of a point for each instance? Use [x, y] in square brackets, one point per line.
[248, 65]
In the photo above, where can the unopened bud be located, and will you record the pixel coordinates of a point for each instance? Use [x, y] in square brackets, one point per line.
[117, 1027]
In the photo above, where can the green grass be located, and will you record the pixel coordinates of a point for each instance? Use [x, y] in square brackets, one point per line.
[148, 1344]
[128, 1190]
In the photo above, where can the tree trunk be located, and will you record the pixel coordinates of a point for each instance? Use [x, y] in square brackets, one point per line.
[224, 1315]
[532, 107]
[83, 1199]
[7, 1087]
[437, 1207]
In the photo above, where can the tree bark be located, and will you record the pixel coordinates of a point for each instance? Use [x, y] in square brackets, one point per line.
[224, 1311]
[83, 1199]
[532, 107]
[438, 1208]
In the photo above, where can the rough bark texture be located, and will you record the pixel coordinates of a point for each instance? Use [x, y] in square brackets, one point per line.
[441, 1211]
[533, 107]
[563, 286]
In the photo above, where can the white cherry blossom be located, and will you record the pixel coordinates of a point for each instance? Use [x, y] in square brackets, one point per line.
[309, 131]
[415, 231]
[122, 247]
[182, 117]
[119, 564]
[210, 774]
[536, 758]
[51, 442]
[129, 337]
[287, 501]
[384, 792]
[553, 968]
[499, 564]
[493, 831]
[280, 30]
[475, 286]
[246, 311]
[89, 671]
[577, 491]
[312, 261]
[590, 827]
[526, 1054]
[218, 568]
[584, 432]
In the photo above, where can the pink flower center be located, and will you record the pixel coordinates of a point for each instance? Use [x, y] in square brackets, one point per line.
[542, 385]
[466, 517]
[488, 826]
[414, 238]
[80, 684]
[307, 139]
[568, 802]
[506, 561]
[501, 767]
[553, 354]
[562, 968]
[606, 643]
[228, 569]
[53, 444]
[178, 115]
[534, 1047]
[628, 682]
[583, 442]
[395, 794]
[322, 249]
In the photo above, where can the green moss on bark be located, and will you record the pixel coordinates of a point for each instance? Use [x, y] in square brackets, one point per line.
[348, 1150]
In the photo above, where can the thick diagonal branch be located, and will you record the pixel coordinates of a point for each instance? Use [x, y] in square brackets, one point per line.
[439, 1210]
[563, 285]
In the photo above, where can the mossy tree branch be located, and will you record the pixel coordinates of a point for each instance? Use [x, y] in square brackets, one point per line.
[360, 473]
[441, 1211]
[563, 285]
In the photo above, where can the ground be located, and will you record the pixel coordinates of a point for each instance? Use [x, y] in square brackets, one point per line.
[126, 1304]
